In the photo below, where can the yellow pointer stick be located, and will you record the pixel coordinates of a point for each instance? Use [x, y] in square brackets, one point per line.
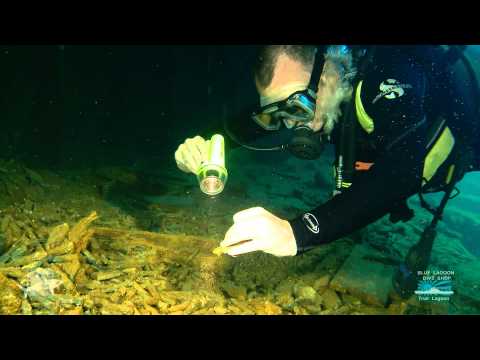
[224, 249]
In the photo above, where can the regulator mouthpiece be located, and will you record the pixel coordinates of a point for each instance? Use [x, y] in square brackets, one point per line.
[212, 174]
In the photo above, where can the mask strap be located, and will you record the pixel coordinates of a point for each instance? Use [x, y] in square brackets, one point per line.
[317, 71]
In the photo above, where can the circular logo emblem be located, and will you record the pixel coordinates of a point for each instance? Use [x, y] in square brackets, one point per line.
[311, 222]
[391, 89]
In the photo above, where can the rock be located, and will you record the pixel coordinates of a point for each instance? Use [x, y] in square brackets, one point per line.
[286, 301]
[313, 309]
[220, 310]
[331, 300]
[398, 308]
[26, 307]
[306, 295]
[34, 177]
[368, 280]
[349, 299]
[188, 285]
[266, 308]
[305, 292]
[234, 291]
[71, 268]
[258, 270]
[10, 296]
[57, 236]
[466, 282]
[299, 310]
[74, 311]
[321, 282]
[415, 306]
[3, 244]
[368, 310]
[286, 287]
[330, 264]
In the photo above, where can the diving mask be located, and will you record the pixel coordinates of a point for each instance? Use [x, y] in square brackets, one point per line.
[298, 107]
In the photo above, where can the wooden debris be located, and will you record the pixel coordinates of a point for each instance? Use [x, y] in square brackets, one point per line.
[108, 275]
[106, 270]
[80, 235]
[57, 236]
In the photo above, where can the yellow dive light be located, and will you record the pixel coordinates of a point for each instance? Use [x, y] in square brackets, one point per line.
[212, 174]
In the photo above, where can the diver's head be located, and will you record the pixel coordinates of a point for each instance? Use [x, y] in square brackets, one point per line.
[280, 71]
[284, 72]
[301, 89]
[280, 66]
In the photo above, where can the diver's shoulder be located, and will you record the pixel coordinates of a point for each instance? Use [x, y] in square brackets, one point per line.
[395, 80]
[398, 58]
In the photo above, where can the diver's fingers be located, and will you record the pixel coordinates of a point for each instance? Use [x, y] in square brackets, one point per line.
[244, 248]
[184, 158]
[198, 139]
[198, 144]
[202, 146]
[237, 233]
[192, 148]
[192, 162]
[183, 167]
[191, 155]
[180, 160]
[248, 213]
[179, 153]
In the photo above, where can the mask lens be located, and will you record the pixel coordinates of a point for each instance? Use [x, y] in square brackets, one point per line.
[296, 108]
[267, 121]
[298, 114]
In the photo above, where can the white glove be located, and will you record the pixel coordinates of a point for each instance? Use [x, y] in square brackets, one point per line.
[190, 155]
[259, 230]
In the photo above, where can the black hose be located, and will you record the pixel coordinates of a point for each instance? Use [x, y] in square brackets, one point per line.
[234, 138]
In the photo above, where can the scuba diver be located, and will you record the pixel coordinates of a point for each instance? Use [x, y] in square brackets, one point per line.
[403, 120]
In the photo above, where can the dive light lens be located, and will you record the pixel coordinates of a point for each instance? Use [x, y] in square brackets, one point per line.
[211, 185]
[213, 175]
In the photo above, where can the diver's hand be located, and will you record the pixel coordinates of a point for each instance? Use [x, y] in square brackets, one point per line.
[265, 231]
[190, 155]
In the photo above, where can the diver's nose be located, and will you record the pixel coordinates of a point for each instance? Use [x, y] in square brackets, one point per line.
[290, 123]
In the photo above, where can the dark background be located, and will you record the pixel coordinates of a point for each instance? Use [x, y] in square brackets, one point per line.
[69, 106]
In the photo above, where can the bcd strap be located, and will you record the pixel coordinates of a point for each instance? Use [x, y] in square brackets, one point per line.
[345, 162]
[363, 166]
[455, 173]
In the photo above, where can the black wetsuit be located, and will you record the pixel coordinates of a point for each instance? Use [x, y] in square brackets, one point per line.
[398, 162]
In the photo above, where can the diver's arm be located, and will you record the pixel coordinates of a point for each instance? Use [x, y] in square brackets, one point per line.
[394, 177]
[397, 173]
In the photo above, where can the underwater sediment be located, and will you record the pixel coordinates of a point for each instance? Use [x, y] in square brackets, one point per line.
[87, 243]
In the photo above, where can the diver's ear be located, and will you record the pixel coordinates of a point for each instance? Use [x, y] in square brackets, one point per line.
[317, 123]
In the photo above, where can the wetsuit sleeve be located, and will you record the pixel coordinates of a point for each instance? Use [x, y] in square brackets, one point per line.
[397, 172]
